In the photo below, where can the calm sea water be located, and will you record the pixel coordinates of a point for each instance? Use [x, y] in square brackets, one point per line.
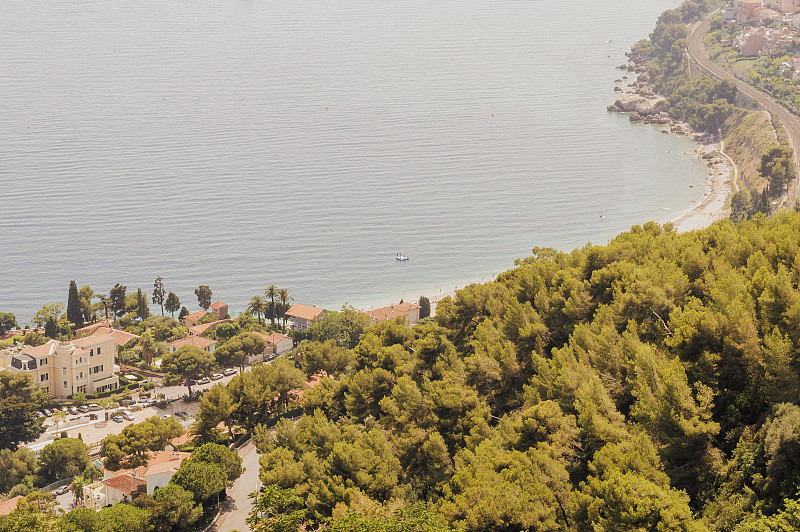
[304, 143]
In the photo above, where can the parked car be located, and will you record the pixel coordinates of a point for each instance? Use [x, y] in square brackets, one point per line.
[181, 413]
[216, 376]
[229, 371]
[62, 490]
[204, 380]
[92, 417]
[83, 408]
[47, 412]
[167, 416]
[73, 411]
[127, 415]
[118, 419]
[94, 407]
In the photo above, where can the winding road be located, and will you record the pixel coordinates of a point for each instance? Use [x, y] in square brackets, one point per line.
[791, 124]
[236, 509]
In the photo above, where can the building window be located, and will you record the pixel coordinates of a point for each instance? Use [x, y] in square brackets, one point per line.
[98, 350]
[65, 384]
[44, 377]
[91, 352]
[81, 376]
[64, 371]
[44, 361]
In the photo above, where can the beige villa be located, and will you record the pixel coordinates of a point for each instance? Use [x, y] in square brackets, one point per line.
[67, 367]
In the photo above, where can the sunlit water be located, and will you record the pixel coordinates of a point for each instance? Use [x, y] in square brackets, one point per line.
[305, 143]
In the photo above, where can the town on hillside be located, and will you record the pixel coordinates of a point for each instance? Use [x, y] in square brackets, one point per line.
[750, 29]
[101, 370]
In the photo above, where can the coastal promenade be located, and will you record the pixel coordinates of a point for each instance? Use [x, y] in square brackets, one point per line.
[791, 124]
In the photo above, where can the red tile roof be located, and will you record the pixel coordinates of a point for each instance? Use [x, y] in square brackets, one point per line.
[92, 340]
[120, 337]
[272, 339]
[195, 316]
[392, 312]
[299, 310]
[126, 483]
[40, 350]
[200, 329]
[6, 507]
[218, 304]
[156, 458]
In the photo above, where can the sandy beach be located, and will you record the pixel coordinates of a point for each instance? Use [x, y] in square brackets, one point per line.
[713, 207]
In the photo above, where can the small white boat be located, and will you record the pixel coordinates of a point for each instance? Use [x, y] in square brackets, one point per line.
[401, 257]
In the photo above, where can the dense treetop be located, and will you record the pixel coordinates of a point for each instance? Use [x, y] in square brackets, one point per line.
[649, 381]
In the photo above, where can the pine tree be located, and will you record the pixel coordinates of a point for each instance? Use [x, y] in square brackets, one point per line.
[173, 303]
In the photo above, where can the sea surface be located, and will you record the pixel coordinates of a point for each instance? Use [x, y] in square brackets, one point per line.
[304, 143]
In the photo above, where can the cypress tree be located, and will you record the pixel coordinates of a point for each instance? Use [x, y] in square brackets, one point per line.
[141, 308]
[50, 327]
[74, 313]
[424, 307]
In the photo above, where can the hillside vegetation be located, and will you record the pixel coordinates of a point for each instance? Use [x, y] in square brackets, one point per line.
[650, 384]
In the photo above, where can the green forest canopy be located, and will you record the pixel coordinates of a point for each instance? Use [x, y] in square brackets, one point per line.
[648, 383]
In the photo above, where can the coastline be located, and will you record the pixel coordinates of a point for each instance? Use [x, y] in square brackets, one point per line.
[718, 189]
[644, 105]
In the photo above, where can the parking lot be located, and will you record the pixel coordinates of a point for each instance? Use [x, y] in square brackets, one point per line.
[92, 432]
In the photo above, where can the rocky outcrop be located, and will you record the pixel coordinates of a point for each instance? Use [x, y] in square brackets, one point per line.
[629, 103]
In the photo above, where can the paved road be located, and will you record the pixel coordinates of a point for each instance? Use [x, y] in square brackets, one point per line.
[94, 431]
[238, 505]
[790, 122]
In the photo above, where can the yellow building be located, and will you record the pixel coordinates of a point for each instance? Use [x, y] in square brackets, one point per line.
[65, 368]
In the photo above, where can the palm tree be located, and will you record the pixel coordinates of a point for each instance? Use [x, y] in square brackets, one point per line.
[148, 344]
[257, 306]
[271, 292]
[283, 294]
[104, 300]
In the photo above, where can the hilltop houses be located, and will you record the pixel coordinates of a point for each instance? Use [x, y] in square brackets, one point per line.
[220, 310]
[764, 41]
[190, 320]
[745, 11]
[276, 344]
[125, 485]
[300, 316]
[410, 311]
